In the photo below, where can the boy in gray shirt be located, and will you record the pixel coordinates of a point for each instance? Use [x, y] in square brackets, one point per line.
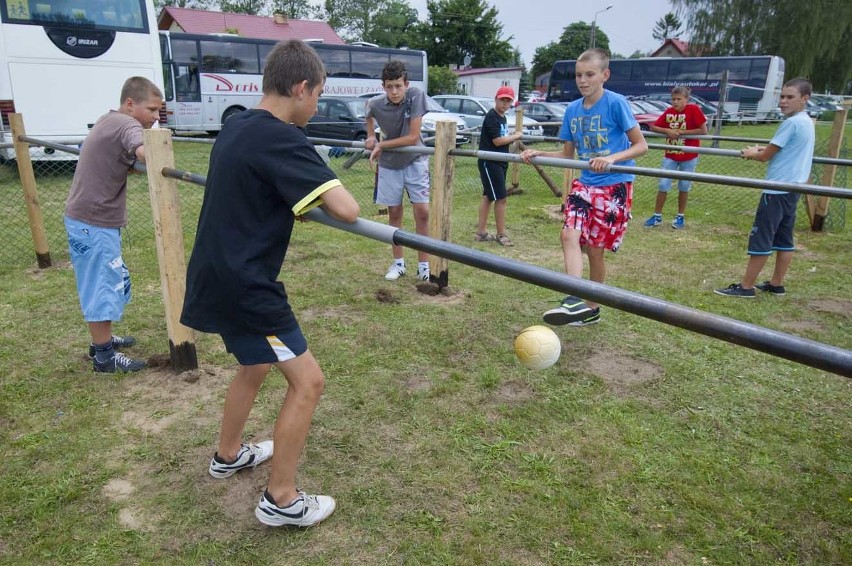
[399, 113]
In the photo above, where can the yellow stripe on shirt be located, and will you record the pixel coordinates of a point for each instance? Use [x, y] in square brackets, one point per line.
[313, 199]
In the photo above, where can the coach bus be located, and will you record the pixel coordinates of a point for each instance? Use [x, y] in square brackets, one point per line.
[212, 77]
[754, 83]
[63, 62]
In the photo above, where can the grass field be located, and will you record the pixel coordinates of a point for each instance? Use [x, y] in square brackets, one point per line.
[645, 444]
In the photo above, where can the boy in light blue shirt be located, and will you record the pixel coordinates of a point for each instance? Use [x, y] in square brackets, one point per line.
[790, 154]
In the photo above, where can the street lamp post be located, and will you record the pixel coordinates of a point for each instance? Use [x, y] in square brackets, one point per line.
[595, 21]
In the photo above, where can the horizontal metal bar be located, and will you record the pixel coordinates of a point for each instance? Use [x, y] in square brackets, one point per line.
[787, 346]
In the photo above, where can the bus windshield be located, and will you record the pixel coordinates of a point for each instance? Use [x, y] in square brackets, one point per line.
[117, 15]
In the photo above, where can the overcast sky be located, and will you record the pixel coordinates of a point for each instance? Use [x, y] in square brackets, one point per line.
[535, 23]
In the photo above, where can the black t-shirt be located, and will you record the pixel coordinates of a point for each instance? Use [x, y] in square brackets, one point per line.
[263, 173]
[493, 126]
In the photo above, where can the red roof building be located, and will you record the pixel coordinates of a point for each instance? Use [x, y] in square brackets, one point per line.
[672, 47]
[277, 27]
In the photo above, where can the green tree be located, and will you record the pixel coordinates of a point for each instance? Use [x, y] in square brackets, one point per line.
[388, 23]
[294, 9]
[252, 7]
[574, 40]
[194, 4]
[666, 27]
[815, 40]
[458, 29]
[442, 81]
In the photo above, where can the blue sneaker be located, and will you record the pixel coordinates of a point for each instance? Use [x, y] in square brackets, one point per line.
[655, 220]
[678, 223]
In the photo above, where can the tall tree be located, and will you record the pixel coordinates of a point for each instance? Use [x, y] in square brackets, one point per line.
[442, 81]
[384, 22]
[573, 41]
[294, 9]
[194, 4]
[458, 29]
[395, 25]
[666, 27]
[815, 40]
[252, 7]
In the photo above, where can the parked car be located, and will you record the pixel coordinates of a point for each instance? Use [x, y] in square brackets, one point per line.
[339, 118]
[708, 108]
[645, 118]
[545, 112]
[474, 108]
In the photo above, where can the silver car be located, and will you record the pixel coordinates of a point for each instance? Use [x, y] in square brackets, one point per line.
[474, 109]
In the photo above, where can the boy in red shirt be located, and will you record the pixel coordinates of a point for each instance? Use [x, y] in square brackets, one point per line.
[680, 119]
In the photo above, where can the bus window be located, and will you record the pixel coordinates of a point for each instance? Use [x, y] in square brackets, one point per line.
[91, 14]
[562, 71]
[759, 69]
[264, 50]
[184, 50]
[687, 69]
[186, 83]
[228, 57]
[737, 69]
[414, 65]
[368, 64]
[336, 62]
[651, 70]
[620, 69]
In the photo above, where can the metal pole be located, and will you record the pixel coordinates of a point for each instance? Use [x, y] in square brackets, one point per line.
[787, 346]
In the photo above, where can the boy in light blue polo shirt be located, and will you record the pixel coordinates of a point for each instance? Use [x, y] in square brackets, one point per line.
[790, 154]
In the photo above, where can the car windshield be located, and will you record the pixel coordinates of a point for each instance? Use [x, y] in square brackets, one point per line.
[557, 109]
[358, 108]
[487, 103]
[433, 106]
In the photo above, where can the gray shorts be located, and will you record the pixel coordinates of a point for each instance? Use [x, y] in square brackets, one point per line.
[414, 179]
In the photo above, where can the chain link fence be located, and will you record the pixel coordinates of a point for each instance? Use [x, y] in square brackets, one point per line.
[723, 204]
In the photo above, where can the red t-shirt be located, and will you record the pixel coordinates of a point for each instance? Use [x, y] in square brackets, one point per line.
[692, 117]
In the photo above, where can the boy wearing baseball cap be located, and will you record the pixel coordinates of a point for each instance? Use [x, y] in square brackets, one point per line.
[495, 136]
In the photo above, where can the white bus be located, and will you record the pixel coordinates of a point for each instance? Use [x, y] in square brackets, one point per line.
[63, 62]
[211, 77]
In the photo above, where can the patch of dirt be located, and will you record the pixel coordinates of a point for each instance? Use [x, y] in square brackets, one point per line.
[803, 327]
[515, 392]
[620, 371]
[554, 212]
[134, 519]
[117, 489]
[834, 306]
[446, 296]
[385, 296]
[38, 273]
[337, 313]
[417, 383]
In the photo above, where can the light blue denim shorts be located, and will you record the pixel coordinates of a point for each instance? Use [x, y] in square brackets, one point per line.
[103, 281]
[672, 165]
[414, 180]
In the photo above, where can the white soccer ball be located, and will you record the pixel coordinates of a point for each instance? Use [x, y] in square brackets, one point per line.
[537, 347]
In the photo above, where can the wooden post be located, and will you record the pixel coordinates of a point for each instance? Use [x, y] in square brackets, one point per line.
[25, 170]
[165, 208]
[817, 207]
[441, 205]
[516, 167]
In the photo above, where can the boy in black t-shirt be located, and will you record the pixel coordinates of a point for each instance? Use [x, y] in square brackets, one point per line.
[495, 137]
[263, 174]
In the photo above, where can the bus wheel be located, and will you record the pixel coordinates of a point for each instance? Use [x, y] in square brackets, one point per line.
[233, 111]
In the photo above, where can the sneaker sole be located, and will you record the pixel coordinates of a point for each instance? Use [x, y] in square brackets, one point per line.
[563, 318]
[735, 296]
[585, 323]
[266, 519]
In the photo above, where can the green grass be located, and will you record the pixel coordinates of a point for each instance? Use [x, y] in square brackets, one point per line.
[645, 444]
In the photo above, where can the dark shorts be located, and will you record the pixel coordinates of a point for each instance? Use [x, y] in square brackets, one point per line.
[600, 214]
[254, 349]
[493, 176]
[773, 224]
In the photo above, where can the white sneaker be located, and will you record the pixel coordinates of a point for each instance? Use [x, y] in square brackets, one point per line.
[249, 456]
[306, 511]
[395, 272]
[423, 273]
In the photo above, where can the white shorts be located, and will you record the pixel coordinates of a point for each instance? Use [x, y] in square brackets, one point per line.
[414, 179]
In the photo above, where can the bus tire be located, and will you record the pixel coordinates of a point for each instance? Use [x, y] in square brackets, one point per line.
[230, 112]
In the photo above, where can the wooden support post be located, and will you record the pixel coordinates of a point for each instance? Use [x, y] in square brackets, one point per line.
[441, 205]
[516, 167]
[818, 206]
[165, 208]
[25, 170]
[543, 174]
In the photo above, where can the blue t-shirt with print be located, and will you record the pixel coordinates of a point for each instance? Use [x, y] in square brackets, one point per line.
[600, 131]
[792, 164]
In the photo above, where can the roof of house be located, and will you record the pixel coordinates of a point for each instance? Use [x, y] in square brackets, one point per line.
[245, 25]
[681, 46]
[467, 72]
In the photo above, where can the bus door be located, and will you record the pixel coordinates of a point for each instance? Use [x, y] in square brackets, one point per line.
[187, 112]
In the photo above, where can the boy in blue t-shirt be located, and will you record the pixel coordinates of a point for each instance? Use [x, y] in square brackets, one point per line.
[603, 131]
[790, 154]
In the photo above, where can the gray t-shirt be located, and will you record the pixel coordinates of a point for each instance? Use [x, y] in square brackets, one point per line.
[98, 194]
[394, 120]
